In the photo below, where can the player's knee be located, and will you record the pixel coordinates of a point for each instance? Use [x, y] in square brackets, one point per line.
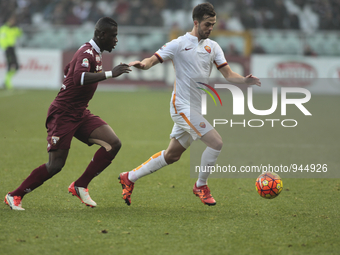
[171, 158]
[116, 145]
[55, 167]
[218, 145]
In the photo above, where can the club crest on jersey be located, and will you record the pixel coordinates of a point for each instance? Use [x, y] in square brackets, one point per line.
[97, 58]
[85, 62]
[55, 140]
[89, 52]
[202, 125]
[207, 48]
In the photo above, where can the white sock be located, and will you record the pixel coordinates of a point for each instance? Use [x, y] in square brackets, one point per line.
[209, 157]
[154, 163]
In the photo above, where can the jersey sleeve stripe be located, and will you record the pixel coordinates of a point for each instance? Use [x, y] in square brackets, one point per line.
[82, 79]
[190, 124]
[222, 65]
[159, 57]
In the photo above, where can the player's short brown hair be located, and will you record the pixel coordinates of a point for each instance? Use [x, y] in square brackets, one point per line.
[201, 10]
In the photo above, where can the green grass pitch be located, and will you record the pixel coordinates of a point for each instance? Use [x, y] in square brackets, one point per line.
[165, 217]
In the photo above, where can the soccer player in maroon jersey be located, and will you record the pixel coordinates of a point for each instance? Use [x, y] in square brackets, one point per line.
[69, 117]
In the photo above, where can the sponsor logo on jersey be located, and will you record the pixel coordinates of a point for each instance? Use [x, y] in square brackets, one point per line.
[202, 125]
[85, 62]
[89, 52]
[55, 140]
[186, 49]
[99, 68]
[207, 48]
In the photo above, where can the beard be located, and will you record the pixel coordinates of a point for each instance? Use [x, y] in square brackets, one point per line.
[202, 34]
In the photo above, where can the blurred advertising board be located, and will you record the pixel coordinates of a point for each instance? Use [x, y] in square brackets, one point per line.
[320, 75]
[38, 68]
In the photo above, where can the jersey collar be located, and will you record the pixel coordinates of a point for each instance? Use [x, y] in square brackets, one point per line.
[95, 46]
[193, 39]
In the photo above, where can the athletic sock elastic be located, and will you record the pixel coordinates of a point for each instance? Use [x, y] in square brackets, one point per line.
[154, 163]
[37, 177]
[100, 161]
[208, 158]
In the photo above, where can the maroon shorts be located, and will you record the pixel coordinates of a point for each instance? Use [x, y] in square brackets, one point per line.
[63, 126]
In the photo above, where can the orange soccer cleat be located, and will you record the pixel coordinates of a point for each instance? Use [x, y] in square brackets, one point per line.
[203, 193]
[127, 187]
[82, 194]
[13, 202]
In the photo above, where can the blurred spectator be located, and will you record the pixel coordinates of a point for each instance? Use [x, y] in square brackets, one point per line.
[71, 18]
[265, 18]
[248, 19]
[175, 4]
[81, 10]
[236, 15]
[175, 31]
[308, 51]
[156, 18]
[59, 15]
[232, 51]
[328, 12]
[122, 12]
[280, 15]
[293, 21]
[95, 14]
[234, 23]
[258, 49]
[308, 19]
[7, 8]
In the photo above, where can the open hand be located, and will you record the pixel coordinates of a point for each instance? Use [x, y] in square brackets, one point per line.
[137, 64]
[252, 80]
[120, 69]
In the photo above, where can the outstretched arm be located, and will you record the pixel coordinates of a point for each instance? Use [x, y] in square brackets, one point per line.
[236, 78]
[146, 63]
[90, 78]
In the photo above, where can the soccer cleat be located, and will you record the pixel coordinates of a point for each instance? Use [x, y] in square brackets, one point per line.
[82, 194]
[203, 193]
[127, 187]
[14, 202]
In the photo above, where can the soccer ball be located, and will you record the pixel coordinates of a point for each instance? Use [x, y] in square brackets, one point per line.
[268, 185]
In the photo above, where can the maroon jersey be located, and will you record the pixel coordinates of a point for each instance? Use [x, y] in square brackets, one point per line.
[73, 96]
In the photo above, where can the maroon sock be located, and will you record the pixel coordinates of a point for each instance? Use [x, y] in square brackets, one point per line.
[34, 180]
[100, 161]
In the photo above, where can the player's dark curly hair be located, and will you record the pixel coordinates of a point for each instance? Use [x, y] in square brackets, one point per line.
[201, 10]
[105, 23]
